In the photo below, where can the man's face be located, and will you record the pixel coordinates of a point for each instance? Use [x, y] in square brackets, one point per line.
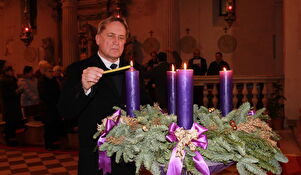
[111, 41]
[196, 53]
[49, 73]
[218, 57]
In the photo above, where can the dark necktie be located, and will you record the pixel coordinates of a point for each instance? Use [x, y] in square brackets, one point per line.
[113, 66]
[117, 79]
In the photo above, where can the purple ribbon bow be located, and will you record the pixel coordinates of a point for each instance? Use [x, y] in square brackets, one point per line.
[104, 162]
[176, 163]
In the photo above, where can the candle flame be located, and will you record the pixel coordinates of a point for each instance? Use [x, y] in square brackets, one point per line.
[172, 68]
[224, 69]
[185, 66]
[131, 63]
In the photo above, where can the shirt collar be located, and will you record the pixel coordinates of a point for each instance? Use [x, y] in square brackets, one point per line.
[108, 63]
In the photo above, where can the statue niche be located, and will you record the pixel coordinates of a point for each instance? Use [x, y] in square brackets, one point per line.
[48, 47]
[87, 42]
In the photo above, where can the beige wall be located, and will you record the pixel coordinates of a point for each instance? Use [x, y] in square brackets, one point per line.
[11, 47]
[257, 22]
[292, 55]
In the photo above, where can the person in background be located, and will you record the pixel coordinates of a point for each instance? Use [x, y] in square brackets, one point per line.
[49, 92]
[153, 61]
[89, 95]
[199, 66]
[197, 63]
[176, 58]
[158, 75]
[217, 65]
[41, 64]
[30, 96]
[150, 84]
[2, 64]
[11, 105]
[58, 75]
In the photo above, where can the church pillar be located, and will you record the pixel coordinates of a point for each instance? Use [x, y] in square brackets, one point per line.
[69, 32]
[292, 61]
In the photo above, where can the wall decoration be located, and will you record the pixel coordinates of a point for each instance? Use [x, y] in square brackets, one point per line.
[188, 43]
[87, 42]
[151, 44]
[133, 50]
[227, 43]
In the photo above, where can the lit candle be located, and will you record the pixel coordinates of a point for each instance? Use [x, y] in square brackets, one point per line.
[185, 97]
[225, 80]
[171, 90]
[132, 90]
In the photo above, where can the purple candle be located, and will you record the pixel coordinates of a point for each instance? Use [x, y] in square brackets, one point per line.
[171, 90]
[132, 91]
[225, 80]
[185, 97]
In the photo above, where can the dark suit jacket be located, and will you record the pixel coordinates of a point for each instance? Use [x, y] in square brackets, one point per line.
[91, 109]
[198, 70]
[215, 67]
[49, 92]
[10, 99]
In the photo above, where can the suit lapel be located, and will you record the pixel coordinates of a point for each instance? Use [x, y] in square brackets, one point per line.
[114, 80]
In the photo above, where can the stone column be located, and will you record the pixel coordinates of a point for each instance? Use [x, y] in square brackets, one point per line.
[69, 32]
[292, 61]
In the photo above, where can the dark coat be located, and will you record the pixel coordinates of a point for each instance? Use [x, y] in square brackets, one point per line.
[158, 75]
[198, 69]
[215, 67]
[49, 92]
[11, 99]
[91, 109]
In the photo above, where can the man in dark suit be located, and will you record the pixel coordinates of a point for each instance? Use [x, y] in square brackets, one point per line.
[218, 64]
[90, 95]
[197, 63]
[199, 66]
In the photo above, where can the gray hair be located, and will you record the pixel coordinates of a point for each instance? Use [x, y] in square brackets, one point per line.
[102, 24]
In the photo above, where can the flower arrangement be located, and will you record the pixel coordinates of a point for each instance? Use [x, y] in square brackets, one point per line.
[242, 137]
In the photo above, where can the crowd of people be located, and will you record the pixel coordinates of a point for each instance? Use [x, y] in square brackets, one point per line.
[84, 94]
[32, 96]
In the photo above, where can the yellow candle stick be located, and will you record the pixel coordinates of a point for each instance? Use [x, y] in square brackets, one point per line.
[118, 69]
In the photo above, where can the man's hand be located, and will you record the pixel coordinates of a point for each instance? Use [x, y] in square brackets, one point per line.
[91, 76]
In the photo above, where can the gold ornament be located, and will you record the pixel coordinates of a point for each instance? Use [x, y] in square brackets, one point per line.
[255, 124]
[115, 140]
[185, 137]
[144, 128]
[211, 110]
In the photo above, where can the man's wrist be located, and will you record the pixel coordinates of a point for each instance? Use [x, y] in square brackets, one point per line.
[87, 91]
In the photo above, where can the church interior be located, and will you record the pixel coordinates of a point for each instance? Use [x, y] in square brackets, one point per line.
[260, 40]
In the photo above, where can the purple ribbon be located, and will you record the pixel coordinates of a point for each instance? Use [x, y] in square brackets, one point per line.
[104, 162]
[251, 112]
[176, 163]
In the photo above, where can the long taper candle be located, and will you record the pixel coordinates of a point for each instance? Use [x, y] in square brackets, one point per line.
[132, 90]
[185, 97]
[225, 80]
[115, 70]
[171, 90]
